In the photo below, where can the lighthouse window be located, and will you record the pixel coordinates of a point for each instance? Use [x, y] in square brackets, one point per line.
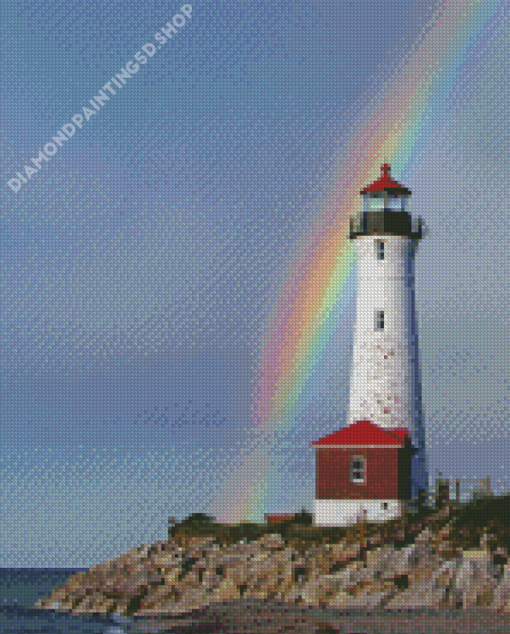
[377, 204]
[357, 468]
[379, 249]
[379, 320]
[394, 204]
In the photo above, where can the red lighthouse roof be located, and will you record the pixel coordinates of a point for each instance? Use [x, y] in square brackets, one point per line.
[363, 432]
[386, 183]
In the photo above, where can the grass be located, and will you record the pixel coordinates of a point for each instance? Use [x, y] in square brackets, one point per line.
[466, 524]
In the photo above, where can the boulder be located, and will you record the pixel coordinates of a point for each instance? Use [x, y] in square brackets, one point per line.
[357, 574]
[285, 581]
[476, 580]
[167, 560]
[48, 604]
[419, 595]
[429, 592]
[318, 590]
[138, 552]
[370, 597]
[501, 597]
[226, 591]
[156, 596]
[271, 542]
[132, 583]
[418, 561]
[384, 562]
[263, 586]
[86, 605]
[193, 598]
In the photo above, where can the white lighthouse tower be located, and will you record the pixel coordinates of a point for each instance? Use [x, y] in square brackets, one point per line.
[376, 464]
[385, 383]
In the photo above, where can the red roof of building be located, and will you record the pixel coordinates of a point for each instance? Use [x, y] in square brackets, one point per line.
[364, 432]
[279, 517]
[386, 183]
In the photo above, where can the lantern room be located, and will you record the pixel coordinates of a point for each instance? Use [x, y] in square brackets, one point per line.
[385, 209]
[385, 194]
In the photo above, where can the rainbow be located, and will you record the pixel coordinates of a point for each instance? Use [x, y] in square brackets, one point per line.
[396, 127]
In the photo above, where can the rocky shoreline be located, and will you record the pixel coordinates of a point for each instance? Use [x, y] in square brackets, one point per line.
[181, 576]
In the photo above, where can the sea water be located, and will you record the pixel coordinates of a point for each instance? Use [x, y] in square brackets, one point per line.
[21, 588]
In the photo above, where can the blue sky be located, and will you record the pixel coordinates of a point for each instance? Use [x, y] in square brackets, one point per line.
[138, 264]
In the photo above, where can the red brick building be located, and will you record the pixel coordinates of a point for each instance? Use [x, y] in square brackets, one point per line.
[276, 518]
[362, 471]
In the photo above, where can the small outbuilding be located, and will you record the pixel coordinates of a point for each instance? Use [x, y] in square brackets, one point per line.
[363, 472]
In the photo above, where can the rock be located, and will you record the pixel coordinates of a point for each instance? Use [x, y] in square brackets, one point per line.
[138, 552]
[262, 581]
[418, 560]
[120, 619]
[89, 604]
[272, 541]
[193, 598]
[425, 537]
[369, 598]
[318, 590]
[421, 594]
[487, 541]
[357, 574]
[162, 598]
[385, 563]
[500, 556]
[226, 591]
[50, 605]
[501, 597]
[165, 593]
[167, 560]
[476, 579]
[430, 592]
[170, 578]
[106, 606]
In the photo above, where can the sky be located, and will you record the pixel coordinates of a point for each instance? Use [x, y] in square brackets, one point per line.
[178, 293]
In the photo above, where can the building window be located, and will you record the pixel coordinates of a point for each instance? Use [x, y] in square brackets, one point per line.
[385, 506]
[379, 320]
[379, 249]
[357, 469]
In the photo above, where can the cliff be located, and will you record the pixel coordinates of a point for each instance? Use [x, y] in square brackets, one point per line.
[187, 573]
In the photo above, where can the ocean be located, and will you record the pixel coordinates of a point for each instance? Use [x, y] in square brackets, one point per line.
[20, 588]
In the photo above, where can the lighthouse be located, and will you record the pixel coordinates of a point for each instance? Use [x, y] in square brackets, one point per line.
[376, 464]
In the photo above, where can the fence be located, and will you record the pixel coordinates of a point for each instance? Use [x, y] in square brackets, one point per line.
[459, 489]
